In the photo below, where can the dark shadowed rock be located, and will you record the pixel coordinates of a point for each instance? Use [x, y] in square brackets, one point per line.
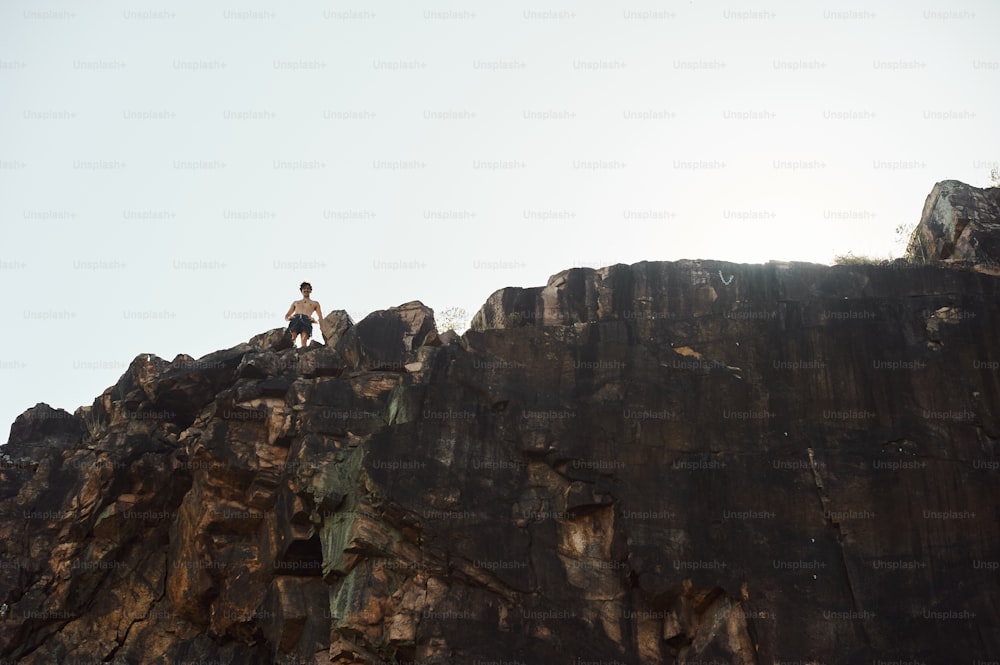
[319, 361]
[448, 337]
[385, 339]
[187, 384]
[276, 339]
[662, 463]
[35, 433]
[42, 427]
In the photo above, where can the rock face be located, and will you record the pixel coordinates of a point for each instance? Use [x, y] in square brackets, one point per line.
[687, 462]
[960, 223]
[334, 325]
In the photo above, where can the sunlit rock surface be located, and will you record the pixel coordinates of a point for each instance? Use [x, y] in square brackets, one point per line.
[960, 224]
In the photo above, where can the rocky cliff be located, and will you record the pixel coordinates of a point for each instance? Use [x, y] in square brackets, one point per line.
[959, 224]
[669, 462]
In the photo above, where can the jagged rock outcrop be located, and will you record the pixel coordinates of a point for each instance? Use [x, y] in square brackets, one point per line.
[960, 224]
[385, 340]
[674, 462]
[334, 325]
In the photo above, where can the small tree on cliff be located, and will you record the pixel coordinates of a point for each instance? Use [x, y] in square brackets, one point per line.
[453, 318]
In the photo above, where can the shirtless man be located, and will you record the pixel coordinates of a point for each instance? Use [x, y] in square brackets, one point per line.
[300, 315]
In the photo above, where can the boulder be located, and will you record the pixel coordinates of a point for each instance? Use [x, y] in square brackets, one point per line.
[42, 427]
[36, 434]
[334, 325]
[384, 340]
[276, 339]
[959, 224]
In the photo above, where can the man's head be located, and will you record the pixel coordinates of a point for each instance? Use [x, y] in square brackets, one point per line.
[305, 286]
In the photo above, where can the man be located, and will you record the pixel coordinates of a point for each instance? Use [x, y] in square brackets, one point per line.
[300, 315]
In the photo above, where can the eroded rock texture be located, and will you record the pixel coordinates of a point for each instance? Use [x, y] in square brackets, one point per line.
[960, 224]
[689, 462]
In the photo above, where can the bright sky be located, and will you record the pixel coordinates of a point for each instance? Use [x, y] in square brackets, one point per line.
[169, 174]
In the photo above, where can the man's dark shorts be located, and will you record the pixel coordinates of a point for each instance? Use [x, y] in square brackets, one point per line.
[300, 323]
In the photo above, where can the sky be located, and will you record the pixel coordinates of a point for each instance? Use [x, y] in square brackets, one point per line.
[170, 173]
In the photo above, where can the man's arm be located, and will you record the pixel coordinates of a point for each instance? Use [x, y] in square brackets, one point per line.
[288, 316]
[319, 312]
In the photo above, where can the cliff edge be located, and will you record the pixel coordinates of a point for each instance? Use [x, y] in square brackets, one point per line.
[667, 462]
